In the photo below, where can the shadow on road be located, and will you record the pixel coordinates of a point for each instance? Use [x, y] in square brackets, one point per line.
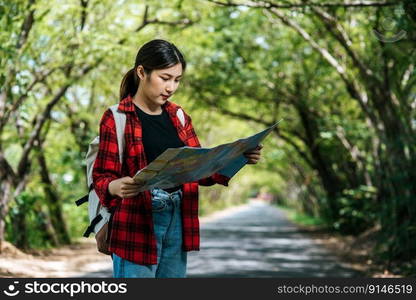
[257, 241]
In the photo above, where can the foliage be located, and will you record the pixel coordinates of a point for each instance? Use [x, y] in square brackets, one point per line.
[344, 153]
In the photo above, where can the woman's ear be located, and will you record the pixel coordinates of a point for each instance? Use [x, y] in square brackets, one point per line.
[140, 72]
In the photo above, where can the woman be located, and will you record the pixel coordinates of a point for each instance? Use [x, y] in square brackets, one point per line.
[150, 232]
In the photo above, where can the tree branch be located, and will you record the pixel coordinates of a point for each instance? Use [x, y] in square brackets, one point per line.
[38, 78]
[269, 4]
[6, 170]
[84, 11]
[146, 21]
[26, 26]
[276, 130]
[42, 118]
[352, 86]
[338, 32]
[240, 116]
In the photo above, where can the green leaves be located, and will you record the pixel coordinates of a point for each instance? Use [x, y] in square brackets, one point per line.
[333, 155]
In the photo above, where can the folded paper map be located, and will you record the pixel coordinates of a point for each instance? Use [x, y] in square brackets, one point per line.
[176, 166]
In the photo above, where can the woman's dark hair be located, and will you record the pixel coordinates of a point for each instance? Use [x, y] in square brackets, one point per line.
[156, 54]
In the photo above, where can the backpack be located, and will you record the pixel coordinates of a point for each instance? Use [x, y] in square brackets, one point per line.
[99, 215]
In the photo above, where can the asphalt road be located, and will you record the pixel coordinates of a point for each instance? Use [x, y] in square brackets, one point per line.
[259, 241]
[256, 241]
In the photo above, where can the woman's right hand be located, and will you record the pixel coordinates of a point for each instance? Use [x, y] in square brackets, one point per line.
[125, 187]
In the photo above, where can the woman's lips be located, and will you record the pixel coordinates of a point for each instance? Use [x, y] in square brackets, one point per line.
[165, 97]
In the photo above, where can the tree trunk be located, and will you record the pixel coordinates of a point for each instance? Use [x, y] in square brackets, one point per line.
[18, 222]
[5, 194]
[330, 181]
[46, 226]
[54, 204]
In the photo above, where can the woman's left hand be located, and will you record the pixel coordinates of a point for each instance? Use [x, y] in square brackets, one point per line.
[253, 155]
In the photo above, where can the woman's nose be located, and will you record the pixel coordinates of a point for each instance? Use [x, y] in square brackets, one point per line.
[169, 87]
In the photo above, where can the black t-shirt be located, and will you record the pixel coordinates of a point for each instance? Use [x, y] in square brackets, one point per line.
[158, 134]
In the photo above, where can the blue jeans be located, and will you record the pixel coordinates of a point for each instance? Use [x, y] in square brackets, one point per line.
[171, 259]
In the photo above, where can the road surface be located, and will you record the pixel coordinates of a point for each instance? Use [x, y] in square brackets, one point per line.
[254, 241]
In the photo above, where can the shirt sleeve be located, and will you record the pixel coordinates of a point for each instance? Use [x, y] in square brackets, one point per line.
[107, 165]
[193, 141]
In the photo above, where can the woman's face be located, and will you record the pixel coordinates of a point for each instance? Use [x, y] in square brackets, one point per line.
[161, 84]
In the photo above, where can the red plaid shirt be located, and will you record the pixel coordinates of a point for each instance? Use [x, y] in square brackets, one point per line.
[131, 227]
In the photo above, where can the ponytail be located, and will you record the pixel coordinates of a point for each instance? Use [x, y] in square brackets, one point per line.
[129, 84]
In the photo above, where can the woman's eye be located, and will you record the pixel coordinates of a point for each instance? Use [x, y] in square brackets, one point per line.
[166, 79]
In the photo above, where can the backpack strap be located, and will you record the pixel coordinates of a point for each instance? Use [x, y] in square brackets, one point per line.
[181, 116]
[94, 222]
[120, 119]
[82, 200]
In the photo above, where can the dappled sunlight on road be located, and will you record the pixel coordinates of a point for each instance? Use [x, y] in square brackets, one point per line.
[256, 240]
[259, 241]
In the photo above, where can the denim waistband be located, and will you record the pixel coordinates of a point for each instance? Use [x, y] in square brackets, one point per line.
[162, 192]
